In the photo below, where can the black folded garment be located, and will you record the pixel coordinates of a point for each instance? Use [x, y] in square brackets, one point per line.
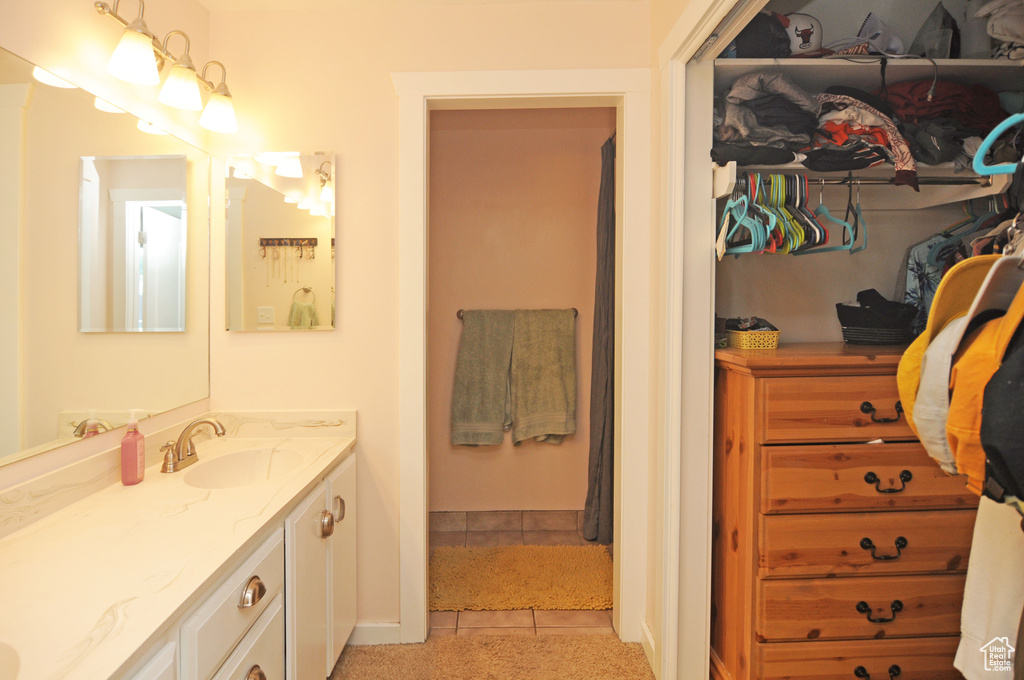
[747, 154]
[825, 160]
[874, 311]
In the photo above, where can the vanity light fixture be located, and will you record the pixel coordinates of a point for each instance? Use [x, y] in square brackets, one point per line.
[326, 185]
[181, 89]
[289, 165]
[139, 56]
[133, 60]
[47, 78]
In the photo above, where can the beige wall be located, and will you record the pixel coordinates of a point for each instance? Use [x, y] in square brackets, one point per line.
[513, 214]
[340, 60]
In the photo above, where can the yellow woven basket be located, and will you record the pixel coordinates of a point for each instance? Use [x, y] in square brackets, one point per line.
[754, 339]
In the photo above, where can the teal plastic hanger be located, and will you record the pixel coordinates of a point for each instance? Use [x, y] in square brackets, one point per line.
[822, 212]
[978, 164]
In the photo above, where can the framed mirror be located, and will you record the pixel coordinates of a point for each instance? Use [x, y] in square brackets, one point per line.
[60, 363]
[280, 241]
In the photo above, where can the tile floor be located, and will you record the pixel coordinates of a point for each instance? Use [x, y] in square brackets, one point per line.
[528, 527]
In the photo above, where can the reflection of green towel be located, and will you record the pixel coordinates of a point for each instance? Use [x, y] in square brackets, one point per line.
[543, 375]
[480, 404]
[302, 315]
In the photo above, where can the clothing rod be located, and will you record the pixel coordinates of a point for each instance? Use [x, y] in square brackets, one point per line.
[866, 181]
[575, 312]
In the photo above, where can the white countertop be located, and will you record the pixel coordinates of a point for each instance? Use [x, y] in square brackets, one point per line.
[83, 589]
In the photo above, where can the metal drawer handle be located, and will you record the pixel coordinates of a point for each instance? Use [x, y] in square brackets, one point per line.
[340, 503]
[872, 478]
[864, 608]
[252, 593]
[866, 407]
[326, 524]
[862, 672]
[256, 673]
[900, 543]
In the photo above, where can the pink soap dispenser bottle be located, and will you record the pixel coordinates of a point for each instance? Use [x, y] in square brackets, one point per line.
[133, 452]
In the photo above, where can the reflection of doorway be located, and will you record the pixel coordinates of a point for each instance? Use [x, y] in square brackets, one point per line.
[155, 262]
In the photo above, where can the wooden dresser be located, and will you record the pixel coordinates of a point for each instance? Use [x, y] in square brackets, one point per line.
[832, 557]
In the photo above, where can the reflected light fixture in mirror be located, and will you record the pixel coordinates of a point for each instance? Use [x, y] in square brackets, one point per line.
[47, 78]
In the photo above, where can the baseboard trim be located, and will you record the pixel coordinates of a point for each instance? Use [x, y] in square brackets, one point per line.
[649, 647]
[376, 634]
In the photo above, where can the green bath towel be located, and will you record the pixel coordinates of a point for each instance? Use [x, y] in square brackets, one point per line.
[543, 375]
[480, 401]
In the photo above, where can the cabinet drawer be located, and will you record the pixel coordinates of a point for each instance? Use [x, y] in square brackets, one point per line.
[829, 409]
[848, 477]
[869, 543]
[922, 659]
[263, 647]
[210, 634]
[829, 609]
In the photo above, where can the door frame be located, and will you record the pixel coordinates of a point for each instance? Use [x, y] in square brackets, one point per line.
[629, 91]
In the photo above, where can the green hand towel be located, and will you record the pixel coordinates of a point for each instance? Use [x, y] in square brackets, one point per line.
[543, 375]
[480, 400]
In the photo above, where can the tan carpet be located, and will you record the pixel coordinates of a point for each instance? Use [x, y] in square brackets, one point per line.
[521, 577]
[504, 657]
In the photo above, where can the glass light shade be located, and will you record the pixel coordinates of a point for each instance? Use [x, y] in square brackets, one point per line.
[307, 203]
[327, 193]
[104, 105]
[219, 114]
[133, 60]
[288, 198]
[289, 166]
[318, 210]
[47, 78]
[149, 128]
[181, 89]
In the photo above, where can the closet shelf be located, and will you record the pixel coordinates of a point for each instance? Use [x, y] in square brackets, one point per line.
[878, 192]
[818, 74]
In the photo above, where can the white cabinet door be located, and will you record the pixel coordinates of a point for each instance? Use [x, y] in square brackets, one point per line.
[341, 494]
[163, 665]
[306, 602]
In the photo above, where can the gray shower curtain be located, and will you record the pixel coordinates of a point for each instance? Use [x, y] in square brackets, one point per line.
[597, 513]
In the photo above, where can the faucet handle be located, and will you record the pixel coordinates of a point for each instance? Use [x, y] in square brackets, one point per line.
[170, 459]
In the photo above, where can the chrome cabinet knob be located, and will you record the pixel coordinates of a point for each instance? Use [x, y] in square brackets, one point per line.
[252, 593]
[339, 502]
[326, 524]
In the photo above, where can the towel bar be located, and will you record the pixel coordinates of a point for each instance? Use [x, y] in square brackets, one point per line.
[575, 312]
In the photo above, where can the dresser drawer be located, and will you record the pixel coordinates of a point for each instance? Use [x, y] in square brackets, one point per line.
[849, 477]
[829, 609]
[263, 647]
[210, 634]
[830, 409]
[868, 543]
[921, 659]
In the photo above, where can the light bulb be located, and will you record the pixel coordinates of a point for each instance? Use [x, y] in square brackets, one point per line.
[181, 89]
[133, 60]
[219, 114]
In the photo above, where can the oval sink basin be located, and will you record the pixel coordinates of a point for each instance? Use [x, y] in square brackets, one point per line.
[9, 662]
[242, 468]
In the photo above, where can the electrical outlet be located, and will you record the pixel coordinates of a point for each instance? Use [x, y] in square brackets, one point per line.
[264, 315]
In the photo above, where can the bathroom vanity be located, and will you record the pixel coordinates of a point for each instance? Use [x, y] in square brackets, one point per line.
[222, 570]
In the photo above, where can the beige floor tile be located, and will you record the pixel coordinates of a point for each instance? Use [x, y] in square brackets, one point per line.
[493, 539]
[573, 618]
[447, 521]
[517, 618]
[444, 620]
[496, 631]
[498, 520]
[551, 538]
[575, 631]
[447, 538]
[549, 520]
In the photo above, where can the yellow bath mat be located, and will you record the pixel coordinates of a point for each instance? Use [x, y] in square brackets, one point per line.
[520, 577]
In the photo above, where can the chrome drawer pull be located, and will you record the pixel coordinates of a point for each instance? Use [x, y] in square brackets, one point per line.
[256, 673]
[326, 524]
[872, 478]
[866, 407]
[864, 608]
[862, 672]
[252, 593]
[340, 503]
[900, 543]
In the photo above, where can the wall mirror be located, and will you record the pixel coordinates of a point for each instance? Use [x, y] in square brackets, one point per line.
[70, 356]
[280, 241]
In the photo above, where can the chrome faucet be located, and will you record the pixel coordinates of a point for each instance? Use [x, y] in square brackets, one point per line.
[182, 453]
[101, 425]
